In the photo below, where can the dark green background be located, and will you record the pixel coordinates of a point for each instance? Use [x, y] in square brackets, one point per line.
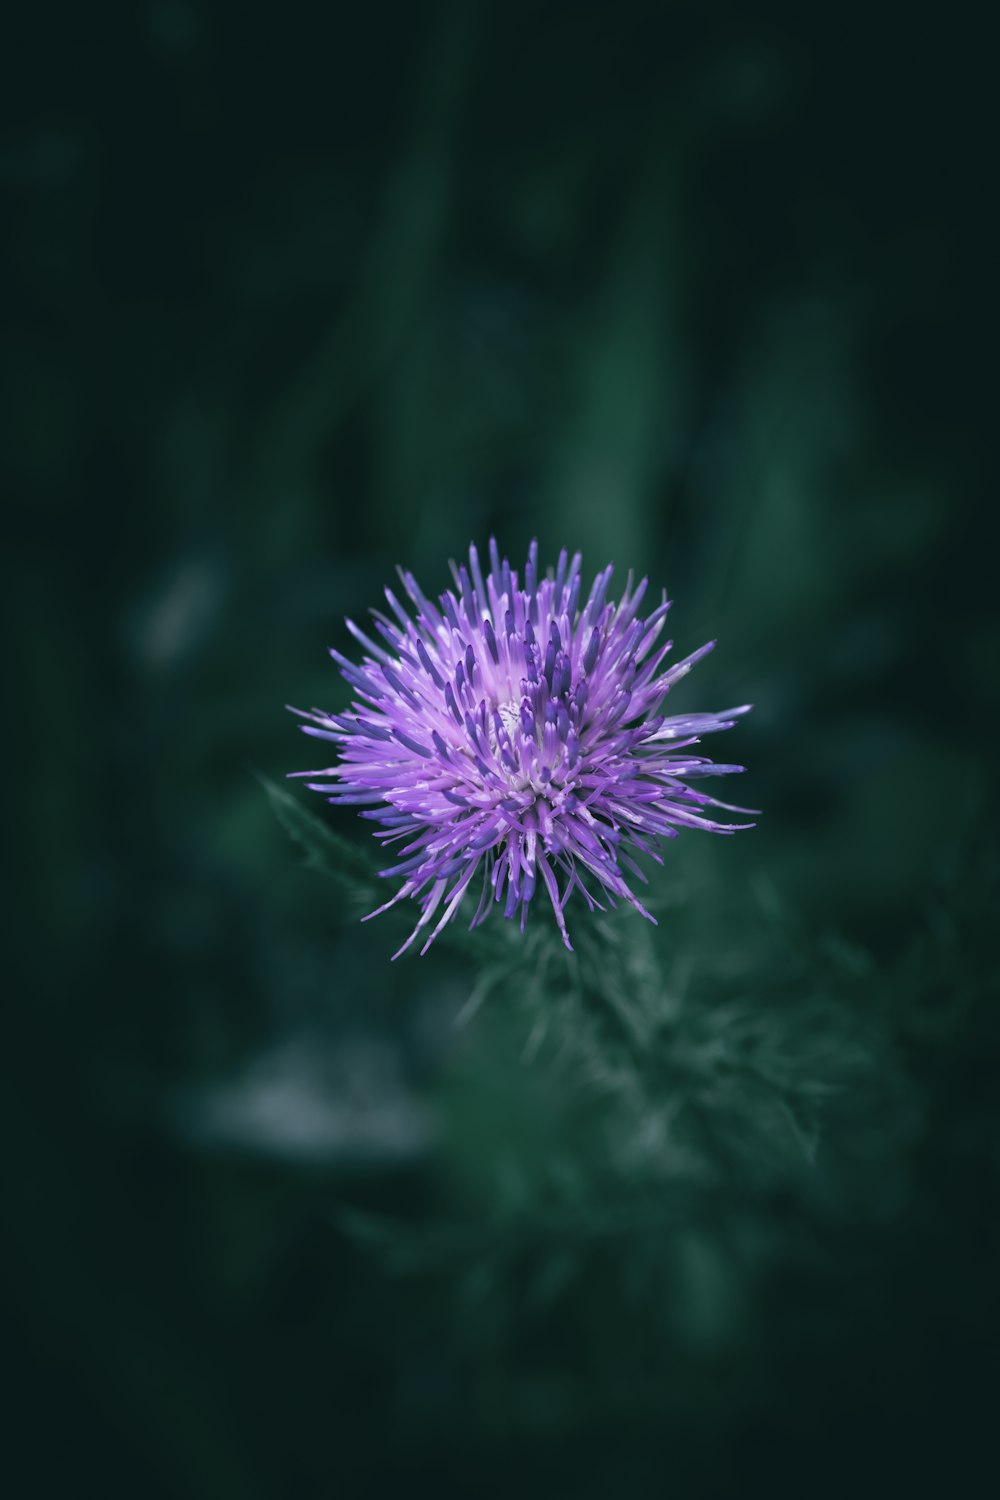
[295, 295]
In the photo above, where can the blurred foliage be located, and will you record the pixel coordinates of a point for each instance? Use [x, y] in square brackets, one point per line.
[290, 297]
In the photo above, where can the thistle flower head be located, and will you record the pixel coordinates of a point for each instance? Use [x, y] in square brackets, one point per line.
[511, 735]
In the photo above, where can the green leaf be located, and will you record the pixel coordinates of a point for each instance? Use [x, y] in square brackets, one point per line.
[324, 850]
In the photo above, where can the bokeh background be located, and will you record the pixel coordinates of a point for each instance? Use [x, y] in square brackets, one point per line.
[297, 294]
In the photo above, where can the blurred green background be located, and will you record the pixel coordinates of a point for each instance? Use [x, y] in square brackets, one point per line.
[297, 294]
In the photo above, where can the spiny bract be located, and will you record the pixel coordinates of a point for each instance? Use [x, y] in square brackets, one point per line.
[512, 732]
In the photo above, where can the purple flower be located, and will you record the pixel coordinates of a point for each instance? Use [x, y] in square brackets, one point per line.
[513, 731]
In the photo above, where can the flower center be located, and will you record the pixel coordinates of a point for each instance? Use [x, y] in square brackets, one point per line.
[510, 717]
